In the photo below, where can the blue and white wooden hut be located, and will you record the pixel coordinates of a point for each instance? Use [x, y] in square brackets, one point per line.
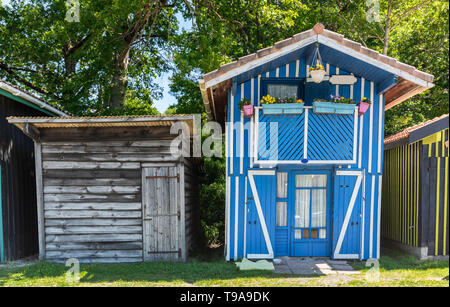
[306, 184]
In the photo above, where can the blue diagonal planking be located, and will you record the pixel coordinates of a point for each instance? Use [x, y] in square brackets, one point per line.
[330, 137]
[289, 137]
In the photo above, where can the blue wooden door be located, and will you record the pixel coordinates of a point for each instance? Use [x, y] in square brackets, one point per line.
[310, 214]
[347, 217]
[260, 222]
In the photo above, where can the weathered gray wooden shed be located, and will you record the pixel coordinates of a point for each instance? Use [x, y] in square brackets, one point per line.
[112, 189]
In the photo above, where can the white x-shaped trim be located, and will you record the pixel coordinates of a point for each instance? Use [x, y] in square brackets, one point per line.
[251, 179]
[359, 175]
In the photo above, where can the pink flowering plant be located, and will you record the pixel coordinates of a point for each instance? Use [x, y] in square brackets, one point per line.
[341, 99]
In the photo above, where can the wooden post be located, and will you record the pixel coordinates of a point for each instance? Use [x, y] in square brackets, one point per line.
[182, 208]
[39, 199]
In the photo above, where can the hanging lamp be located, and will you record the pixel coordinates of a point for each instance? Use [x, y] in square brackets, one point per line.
[317, 70]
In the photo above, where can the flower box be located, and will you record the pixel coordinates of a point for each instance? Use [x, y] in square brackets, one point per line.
[333, 107]
[283, 108]
[248, 110]
[363, 107]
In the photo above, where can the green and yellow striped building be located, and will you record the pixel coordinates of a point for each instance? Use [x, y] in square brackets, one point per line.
[415, 188]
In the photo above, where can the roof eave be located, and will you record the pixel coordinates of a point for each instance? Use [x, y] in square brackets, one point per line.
[41, 104]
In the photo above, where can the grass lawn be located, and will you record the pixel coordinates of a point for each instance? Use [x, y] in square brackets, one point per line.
[395, 270]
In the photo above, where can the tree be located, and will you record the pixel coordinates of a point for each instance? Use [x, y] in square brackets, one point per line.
[107, 61]
[226, 30]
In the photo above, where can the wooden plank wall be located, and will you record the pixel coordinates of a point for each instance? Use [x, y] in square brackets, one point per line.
[415, 194]
[18, 184]
[191, 195]
[92, 198]
[401, 199]
[434, 193]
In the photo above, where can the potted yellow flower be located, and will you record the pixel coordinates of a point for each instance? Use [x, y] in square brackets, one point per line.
[288, 105]
[317, 73]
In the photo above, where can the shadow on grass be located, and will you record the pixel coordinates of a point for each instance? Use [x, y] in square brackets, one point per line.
[207, 269]
[397, 260]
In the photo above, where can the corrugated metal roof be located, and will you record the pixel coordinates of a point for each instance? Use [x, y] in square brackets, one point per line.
[18, 92]
[101, 121]
[403, 137]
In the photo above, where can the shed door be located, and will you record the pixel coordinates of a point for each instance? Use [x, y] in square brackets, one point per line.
[161, 213]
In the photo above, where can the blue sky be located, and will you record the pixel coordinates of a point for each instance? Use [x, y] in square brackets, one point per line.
[167, 99]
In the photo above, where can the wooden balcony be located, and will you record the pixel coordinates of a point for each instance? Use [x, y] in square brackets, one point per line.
[308, 138]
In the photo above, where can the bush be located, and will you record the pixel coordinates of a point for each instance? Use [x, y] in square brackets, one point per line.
[212, 201]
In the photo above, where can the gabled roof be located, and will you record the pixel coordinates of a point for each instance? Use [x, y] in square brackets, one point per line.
[417, 132]
[333, 47]
[19, 95]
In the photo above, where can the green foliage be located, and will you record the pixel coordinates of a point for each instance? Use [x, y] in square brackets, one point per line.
[212, 201]
[422, 41]
[244, 102]
[76, 64]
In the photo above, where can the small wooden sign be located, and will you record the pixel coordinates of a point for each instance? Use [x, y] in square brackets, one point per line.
[343, 79]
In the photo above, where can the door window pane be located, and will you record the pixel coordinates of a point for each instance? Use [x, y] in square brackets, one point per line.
[319, 208]
[302, 208]
[301, 234]
[305, 233]
[314, 233]
[282, 185]
[311, 181]
[282, 91]
[282, 213]
[322, 234]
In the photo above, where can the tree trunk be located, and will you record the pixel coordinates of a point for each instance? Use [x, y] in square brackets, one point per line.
[120, 79]
[70, 64]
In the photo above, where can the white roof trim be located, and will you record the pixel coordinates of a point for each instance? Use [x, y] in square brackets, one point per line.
[19, 93]
[322, 40]
[398, 72]
[253, 64]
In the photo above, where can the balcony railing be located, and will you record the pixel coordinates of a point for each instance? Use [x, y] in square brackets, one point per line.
[307, 138]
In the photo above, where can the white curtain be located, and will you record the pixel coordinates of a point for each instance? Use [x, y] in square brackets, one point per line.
[310, 181]
[282, 91]
[282, 213]
[302, 208]
[319, 208]
[282, 185]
